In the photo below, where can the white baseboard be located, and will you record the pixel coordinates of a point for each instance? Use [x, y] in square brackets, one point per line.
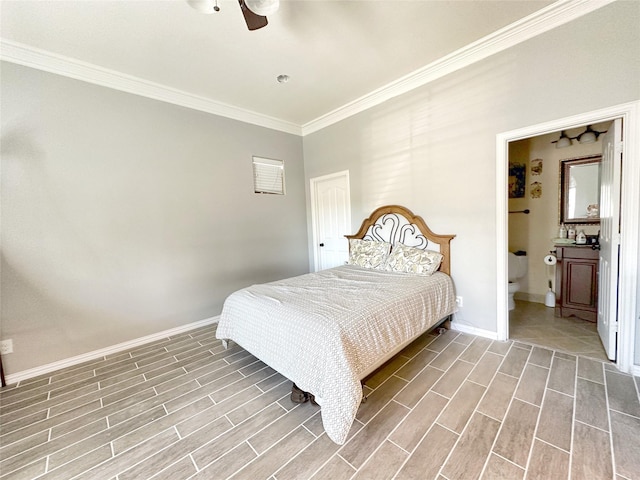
[529, 297]
[473, 330]
[69, 362]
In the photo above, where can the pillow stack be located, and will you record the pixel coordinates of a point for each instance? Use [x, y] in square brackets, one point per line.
[400, 259]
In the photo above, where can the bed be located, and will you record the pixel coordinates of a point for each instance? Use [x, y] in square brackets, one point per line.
[328, 330]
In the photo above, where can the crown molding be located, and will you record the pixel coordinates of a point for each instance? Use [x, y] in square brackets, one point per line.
[548, 18]
[28, 56]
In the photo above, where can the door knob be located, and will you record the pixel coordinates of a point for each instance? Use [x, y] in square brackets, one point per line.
[322, 244]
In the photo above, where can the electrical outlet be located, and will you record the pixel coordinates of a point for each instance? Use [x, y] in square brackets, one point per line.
[459, 302]
[6, 346]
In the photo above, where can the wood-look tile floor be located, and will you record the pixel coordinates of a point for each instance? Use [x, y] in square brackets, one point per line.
[537, 324]
[452, 406]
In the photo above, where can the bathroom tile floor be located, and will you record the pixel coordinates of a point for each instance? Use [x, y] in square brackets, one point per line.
[534, 323]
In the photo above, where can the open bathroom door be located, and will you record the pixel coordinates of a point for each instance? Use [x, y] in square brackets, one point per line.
[610, 177]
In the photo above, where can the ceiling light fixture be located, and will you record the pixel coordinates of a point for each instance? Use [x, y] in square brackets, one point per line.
[204, 6]
[588, 136]
[254, 11]
[282, 78]
[263, 7]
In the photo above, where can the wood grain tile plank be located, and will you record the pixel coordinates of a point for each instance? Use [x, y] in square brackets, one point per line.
[334, 469]
[426, 460]
[591, 404]
[470, 453]
[514, 362]
[475, 350]
[532, 384]
[548, 462]
[310, 460]
[165, 457]
[80, 442]
[448, 356]
[79, 465]
[622, 393]
[441, 342]
[590, 369]
[231, 462]
[541, 357]
[562, 375]
[516, 435]
[498, 468]
[625, 433]
[556, 418]
[498, 396]
[184, 468]
[453, 378]
[391, 367]
[413, 427]
[278, 455]
[591, 454]
[459, 410]
[485, 369]
[379, 398]
[501, 348]
[282, 427]
[363, 444]
[416, 364]
[212, 451]
[418, 387]
[383, 464]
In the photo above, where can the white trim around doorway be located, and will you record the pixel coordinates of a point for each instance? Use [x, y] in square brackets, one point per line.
[630, 218]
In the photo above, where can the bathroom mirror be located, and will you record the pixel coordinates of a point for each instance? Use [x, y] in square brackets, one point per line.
[580, 190]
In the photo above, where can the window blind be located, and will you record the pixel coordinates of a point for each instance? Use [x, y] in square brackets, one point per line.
[268, 176]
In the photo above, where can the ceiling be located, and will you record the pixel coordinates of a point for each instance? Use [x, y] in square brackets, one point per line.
[335, 52]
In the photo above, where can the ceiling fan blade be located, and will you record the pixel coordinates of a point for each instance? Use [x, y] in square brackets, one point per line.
[254, 21]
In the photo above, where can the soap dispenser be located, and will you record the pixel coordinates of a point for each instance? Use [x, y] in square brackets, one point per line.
[562, 233]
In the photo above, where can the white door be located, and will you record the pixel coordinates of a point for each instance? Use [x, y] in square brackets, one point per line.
[610, 178]
[331, 216]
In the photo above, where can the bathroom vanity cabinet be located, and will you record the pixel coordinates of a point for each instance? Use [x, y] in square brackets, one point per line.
[577, 282]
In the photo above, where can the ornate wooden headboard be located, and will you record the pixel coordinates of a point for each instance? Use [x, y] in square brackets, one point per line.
[393, 223]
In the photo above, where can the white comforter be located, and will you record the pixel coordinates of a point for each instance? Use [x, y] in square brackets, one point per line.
[324, 330]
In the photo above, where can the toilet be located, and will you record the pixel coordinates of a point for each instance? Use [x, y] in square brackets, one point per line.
[517, 270]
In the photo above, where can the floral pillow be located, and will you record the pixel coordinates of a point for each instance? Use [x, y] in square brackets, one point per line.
[405, 259]
[367, 253]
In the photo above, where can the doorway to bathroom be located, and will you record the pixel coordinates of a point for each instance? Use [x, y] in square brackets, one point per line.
[538, 193]
[536, 211]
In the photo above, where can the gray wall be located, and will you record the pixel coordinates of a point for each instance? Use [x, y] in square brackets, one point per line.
[124, 216]
[434, 149]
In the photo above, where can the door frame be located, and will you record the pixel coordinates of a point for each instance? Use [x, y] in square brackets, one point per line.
[313, 183]
[630, 214]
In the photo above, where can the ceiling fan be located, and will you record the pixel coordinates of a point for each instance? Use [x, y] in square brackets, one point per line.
[254, 11]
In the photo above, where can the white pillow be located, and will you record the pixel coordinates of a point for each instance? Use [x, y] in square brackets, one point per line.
[405, 259]
[368, 253]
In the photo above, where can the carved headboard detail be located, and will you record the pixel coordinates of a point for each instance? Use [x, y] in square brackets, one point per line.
[394, 223]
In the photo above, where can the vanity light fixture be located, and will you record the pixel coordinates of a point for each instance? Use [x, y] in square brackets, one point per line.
[563, 141]
[588, 136]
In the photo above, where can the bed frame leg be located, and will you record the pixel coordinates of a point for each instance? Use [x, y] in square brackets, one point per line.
[364, 397]
[444, 326]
